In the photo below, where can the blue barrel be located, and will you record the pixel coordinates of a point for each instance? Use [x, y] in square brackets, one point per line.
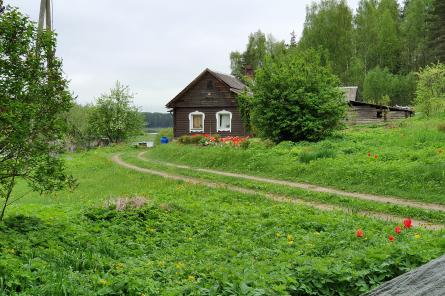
[164, 140]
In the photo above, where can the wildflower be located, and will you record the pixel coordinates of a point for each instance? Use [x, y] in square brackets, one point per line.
[103, 282]
[191, 278]
[119, 266]
[179, 265]
[408, 223]
[416, 236]
[359, 233]
[369, 154]
[376, 156]
[290, 237]
[290, 242]
[391, 238]
[398, 230]
[277, 235]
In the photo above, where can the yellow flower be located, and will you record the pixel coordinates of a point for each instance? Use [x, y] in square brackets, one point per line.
[103, 282]
[191, 278]
[417, 236]
[290, 237]
[119, 266]
[290, 242]
[190, 238]
[277, 235]
[161, 263]
[179, 265]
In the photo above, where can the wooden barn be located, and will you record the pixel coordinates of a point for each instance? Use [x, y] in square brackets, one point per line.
[208, 105]
[364, 113]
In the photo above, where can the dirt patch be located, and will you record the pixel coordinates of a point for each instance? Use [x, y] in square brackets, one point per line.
[274, 197]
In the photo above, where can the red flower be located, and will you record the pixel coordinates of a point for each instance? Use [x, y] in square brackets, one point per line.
[369, 154]
[376, 156]
[408, 223]
[359, 233]
[398, 230]
[391, 238]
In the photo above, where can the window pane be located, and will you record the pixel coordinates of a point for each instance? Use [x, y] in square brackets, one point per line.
[224, 121]
[197, 121]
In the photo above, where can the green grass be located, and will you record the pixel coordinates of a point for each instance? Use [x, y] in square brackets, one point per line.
[351, 204]
[410, 160]
[191, 240]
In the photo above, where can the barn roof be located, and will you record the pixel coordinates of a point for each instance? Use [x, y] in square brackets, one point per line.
[232, 82]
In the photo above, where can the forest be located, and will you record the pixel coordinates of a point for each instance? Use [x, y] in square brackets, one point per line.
[380, 47]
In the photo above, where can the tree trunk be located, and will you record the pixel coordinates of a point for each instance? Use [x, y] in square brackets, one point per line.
[8, 195]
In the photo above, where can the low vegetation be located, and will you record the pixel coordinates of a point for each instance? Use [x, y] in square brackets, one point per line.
[405, 159]
[207, 242]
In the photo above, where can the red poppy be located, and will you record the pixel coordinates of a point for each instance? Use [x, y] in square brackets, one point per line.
[369, 154]
[376, 156]
[398, 230]
[408, 223]
[391, 238]
[359, 233]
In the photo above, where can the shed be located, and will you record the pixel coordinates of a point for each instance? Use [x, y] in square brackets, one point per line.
[363, 113]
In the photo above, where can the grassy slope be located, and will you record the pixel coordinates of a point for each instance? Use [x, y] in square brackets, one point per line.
[410, 163]
[191, 240]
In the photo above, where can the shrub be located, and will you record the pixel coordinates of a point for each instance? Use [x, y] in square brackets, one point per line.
[431, 90]
[296, 98]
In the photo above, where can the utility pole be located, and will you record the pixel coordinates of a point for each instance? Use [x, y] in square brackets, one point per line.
[45, 15]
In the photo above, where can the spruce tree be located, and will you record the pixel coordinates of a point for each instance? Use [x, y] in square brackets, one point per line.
[437, 31]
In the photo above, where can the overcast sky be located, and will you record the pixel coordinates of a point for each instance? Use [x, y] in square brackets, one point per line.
[158, 47]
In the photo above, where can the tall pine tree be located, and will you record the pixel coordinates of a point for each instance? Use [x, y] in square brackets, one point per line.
[437, 30]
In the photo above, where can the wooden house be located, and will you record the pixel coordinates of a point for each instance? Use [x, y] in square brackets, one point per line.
[364, 113]
[208, 105]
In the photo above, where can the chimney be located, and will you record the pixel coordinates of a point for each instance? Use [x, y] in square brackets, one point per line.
[249, 71]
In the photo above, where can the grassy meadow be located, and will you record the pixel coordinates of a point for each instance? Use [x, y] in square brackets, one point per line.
[404, 158]
[194, 240]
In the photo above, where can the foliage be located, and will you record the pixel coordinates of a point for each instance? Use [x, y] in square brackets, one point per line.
[328, 27]
[437, 30]
[258, 47]
[382, 87]
[416, 53]
[33, 96]
[296, 98]
[114, 116]
[158, 120]
[431, 90]
[79, 133]
[308, 155]
[178, 244]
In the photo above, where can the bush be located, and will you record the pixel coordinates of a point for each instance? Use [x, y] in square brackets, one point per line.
[296, 98]
[431, 90]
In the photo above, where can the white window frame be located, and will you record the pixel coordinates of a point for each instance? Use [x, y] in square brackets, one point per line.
[223, 112]
[194, 130]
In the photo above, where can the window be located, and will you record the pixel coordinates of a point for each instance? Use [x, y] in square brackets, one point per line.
[209, 84]
[224, 121]
[379, 114]
[196, 121]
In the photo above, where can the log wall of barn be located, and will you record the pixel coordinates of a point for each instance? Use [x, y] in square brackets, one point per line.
[370, 114]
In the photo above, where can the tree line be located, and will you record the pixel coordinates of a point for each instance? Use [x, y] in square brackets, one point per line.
[157, 120]
[379, 48]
